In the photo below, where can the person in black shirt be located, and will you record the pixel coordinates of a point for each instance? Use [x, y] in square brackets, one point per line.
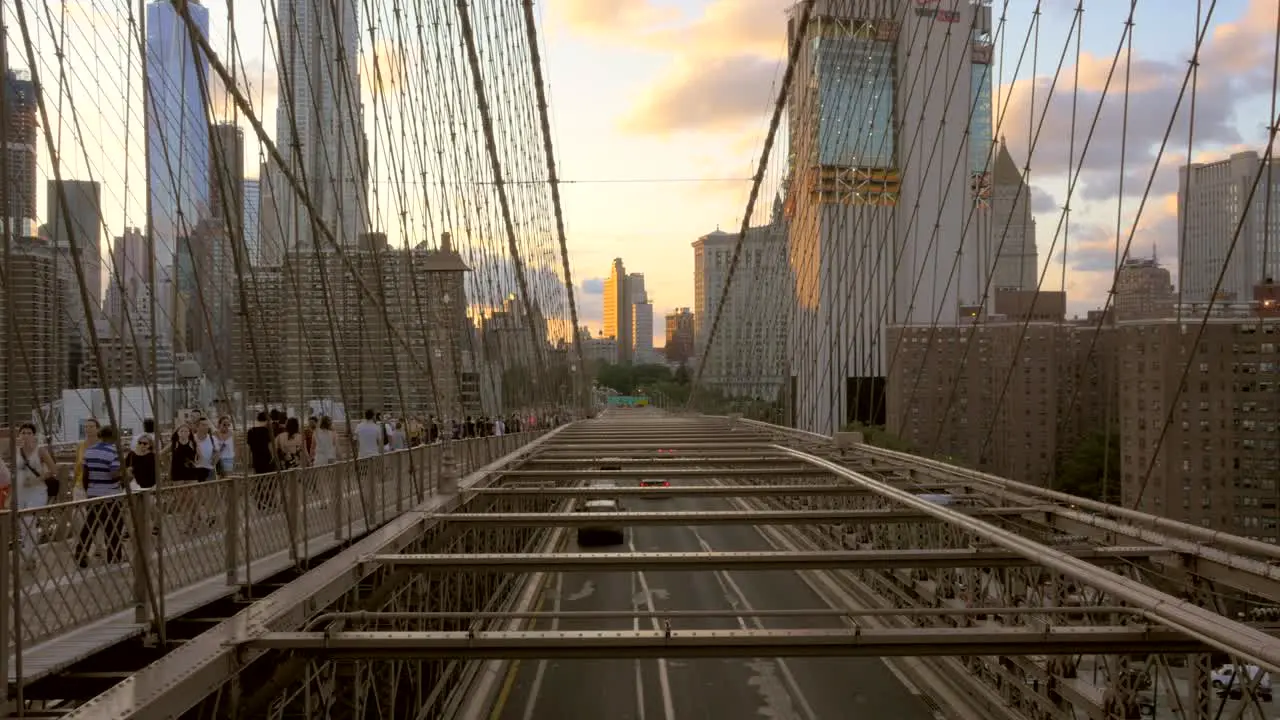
[142, 461]
[259, 439]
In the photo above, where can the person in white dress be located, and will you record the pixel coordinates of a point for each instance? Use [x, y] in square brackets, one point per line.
[326, 442]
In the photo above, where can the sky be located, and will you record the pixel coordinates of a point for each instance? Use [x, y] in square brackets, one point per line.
[681, 89]
[659, 109]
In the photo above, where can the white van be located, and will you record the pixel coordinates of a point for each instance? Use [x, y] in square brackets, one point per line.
[1224, 678]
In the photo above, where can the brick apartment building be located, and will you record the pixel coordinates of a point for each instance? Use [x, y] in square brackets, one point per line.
[1005, 396]
[1218, 463]
[1012, 396]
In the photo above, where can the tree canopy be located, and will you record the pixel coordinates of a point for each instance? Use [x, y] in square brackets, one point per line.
[1080, 472]
[671, 388]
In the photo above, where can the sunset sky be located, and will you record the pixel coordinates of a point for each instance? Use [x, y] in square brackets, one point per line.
[680, 89]
[660, 106]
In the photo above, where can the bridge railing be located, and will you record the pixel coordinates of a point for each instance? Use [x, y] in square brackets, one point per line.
[1241, 562]
[86, 560]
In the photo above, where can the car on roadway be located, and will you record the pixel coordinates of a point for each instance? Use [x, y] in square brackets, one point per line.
[611, 464]
[604, 532]
[654, 483]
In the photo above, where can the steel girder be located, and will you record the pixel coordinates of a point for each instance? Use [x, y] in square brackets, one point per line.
[1211, 628]
[596, 443]
[855, 642]
[550, 458]
[700, 491]
[701, 561]
[200, 667]
[1240, 562]
[790, 471]
[713, 517]
[1199, 559]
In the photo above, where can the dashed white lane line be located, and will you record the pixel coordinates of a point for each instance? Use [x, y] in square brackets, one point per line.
[639, 668]
[738, 598]
[541, 671]
[664, 680]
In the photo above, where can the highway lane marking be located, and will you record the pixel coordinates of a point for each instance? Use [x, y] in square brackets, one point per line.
[664, 680]
[635, 662]
[733, 592]
[536, 689]
[513, 669]
[765, 534]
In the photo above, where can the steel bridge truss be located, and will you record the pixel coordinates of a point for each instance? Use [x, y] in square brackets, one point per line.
[1013, 596]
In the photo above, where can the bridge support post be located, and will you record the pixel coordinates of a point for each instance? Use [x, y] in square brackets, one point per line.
[448, 470]
[847, 441]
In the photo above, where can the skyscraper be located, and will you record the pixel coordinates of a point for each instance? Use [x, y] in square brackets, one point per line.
[81, 219]
[1210, 209]
[1012, 237]
[747, 356]
[177, 130]
[641, 319]
[271, 235]
[20, 129]
[617, 310]
[252, 204]
[877, 220]
[84, 212]
[319, 123]
[680, 335]
[127, 280]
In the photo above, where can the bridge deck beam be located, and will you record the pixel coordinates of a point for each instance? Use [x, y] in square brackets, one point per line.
[769, 560]
[854, 642]
[817, 489]
[713, 517]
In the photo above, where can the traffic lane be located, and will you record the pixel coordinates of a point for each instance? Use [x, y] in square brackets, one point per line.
[710, 688]
[698, 688]
[552, 689]
[854, 688]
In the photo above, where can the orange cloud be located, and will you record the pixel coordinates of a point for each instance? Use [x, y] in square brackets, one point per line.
[710, 95]
[611, 18]
[731, 27]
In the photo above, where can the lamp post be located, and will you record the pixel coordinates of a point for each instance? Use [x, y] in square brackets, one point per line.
[189, 374]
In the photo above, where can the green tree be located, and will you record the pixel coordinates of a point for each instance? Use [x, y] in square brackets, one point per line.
[1080, 471]
[681, 375]
[522, 387]
[631, 379]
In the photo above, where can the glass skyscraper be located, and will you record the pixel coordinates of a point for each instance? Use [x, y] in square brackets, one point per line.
[319, 123]
[177, 128]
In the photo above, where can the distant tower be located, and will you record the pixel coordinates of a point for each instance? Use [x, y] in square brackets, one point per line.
[617, 310]
[177, 131]
[444, 301]
[319, 122]
[1015, 264]
[21, 131]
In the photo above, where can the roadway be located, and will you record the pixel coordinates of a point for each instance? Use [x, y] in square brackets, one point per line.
[697, 689]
